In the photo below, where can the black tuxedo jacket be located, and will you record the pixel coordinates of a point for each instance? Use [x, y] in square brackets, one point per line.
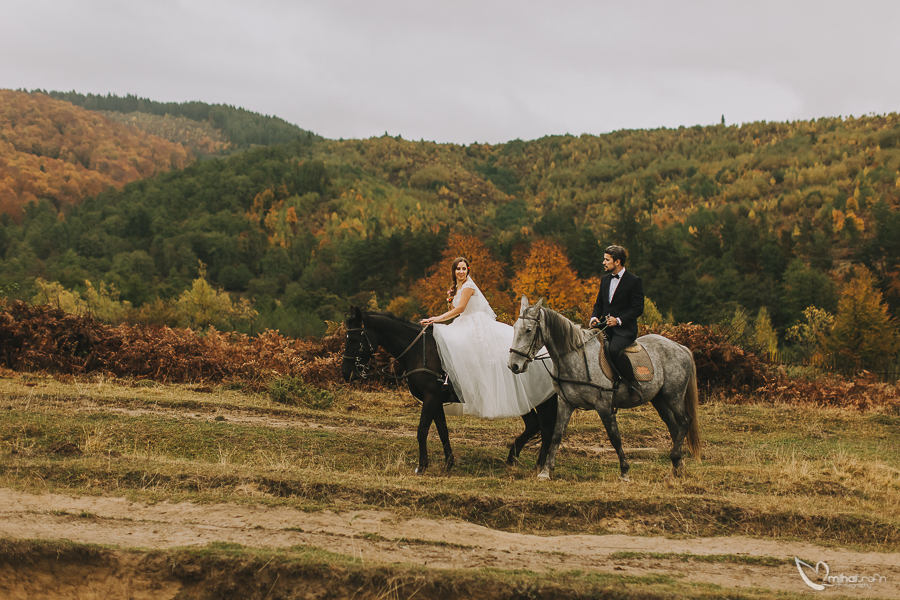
[627, 303]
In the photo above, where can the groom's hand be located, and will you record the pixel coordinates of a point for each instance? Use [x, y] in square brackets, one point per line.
[593, 321]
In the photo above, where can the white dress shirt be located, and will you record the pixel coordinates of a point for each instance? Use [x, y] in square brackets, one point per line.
[613, 284]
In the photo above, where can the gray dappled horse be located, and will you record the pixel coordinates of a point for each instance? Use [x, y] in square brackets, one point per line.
[581, 383]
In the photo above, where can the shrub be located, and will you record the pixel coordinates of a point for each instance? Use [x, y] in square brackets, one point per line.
[294, 391]
[720, 363]
[42, 338]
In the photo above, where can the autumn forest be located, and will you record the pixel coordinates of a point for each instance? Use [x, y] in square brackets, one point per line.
[196, 215]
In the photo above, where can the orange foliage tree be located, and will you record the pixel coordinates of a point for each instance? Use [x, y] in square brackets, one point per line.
[50, 149]
[431, 291]
[548, 274]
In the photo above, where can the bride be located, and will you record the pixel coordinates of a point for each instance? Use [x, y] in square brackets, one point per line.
[474, 351]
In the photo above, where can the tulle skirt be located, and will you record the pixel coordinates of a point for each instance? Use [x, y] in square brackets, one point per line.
[474, 350]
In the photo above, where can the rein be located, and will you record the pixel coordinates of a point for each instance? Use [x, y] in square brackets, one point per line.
[423, 369]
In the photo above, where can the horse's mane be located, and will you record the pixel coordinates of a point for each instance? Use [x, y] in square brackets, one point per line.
[566, 335]
[414, 327]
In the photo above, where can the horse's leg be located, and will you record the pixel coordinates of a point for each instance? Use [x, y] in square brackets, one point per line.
[612, 432]
[440, 421]
[563, 414]
[532, 427]
[425, 418]
[547, 412]
[682, 422]
[676, 432]
[666, 415]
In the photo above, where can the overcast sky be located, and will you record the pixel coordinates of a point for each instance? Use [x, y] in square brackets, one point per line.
[464, 71]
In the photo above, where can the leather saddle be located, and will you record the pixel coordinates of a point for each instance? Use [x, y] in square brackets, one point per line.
[636, 353]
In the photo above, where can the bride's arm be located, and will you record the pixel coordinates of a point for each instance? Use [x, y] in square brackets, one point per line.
[464, 296]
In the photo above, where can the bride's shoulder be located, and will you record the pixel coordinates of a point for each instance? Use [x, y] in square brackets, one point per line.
[469, 284]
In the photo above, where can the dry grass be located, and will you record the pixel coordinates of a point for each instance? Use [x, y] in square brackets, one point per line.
[826, 475]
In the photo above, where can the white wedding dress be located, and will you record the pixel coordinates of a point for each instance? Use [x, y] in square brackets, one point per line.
[474, 350]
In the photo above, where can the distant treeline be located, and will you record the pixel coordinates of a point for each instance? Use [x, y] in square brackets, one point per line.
[242, 127]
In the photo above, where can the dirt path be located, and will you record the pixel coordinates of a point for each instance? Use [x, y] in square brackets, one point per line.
[382, 537]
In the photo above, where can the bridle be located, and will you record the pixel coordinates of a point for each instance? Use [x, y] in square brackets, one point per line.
[360, 367]
[533, 349]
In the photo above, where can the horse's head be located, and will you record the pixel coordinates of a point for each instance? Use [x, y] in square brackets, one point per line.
[359, 346]
[527, 338]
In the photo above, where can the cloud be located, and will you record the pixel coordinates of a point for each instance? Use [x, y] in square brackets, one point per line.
[469, 71]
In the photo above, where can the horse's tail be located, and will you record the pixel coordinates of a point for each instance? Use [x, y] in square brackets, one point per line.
[692, 408]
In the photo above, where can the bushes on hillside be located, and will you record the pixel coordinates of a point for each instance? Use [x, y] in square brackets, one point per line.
[42, 338]
[720, 364]
[742, 377]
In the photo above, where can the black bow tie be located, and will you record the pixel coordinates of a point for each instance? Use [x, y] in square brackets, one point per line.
[614, 276]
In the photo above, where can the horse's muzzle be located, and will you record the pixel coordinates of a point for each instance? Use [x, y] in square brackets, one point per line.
[349, 375]
[515, 367]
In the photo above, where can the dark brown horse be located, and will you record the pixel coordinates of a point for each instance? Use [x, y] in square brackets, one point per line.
[414, 349]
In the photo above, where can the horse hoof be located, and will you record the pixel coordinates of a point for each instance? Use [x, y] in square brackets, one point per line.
[624, 478]
[419, 470]
[543, 476]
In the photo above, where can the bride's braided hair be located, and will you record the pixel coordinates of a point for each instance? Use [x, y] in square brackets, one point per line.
[458, 260]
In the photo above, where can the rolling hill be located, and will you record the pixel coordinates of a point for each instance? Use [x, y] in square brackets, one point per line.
[719, 218]
[51, 150]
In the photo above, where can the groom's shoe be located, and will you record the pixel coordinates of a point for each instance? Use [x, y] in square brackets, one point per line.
[635, 395]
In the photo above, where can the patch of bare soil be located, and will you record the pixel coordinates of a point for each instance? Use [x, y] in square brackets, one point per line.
[377, 537]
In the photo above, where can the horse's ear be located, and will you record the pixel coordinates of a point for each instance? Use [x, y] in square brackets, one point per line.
[540, 303]
[524, 304]
[357, 314]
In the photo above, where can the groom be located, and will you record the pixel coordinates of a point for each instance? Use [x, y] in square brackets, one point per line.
[620, 302]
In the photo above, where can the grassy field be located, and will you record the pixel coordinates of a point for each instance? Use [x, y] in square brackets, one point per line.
[774, 472]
